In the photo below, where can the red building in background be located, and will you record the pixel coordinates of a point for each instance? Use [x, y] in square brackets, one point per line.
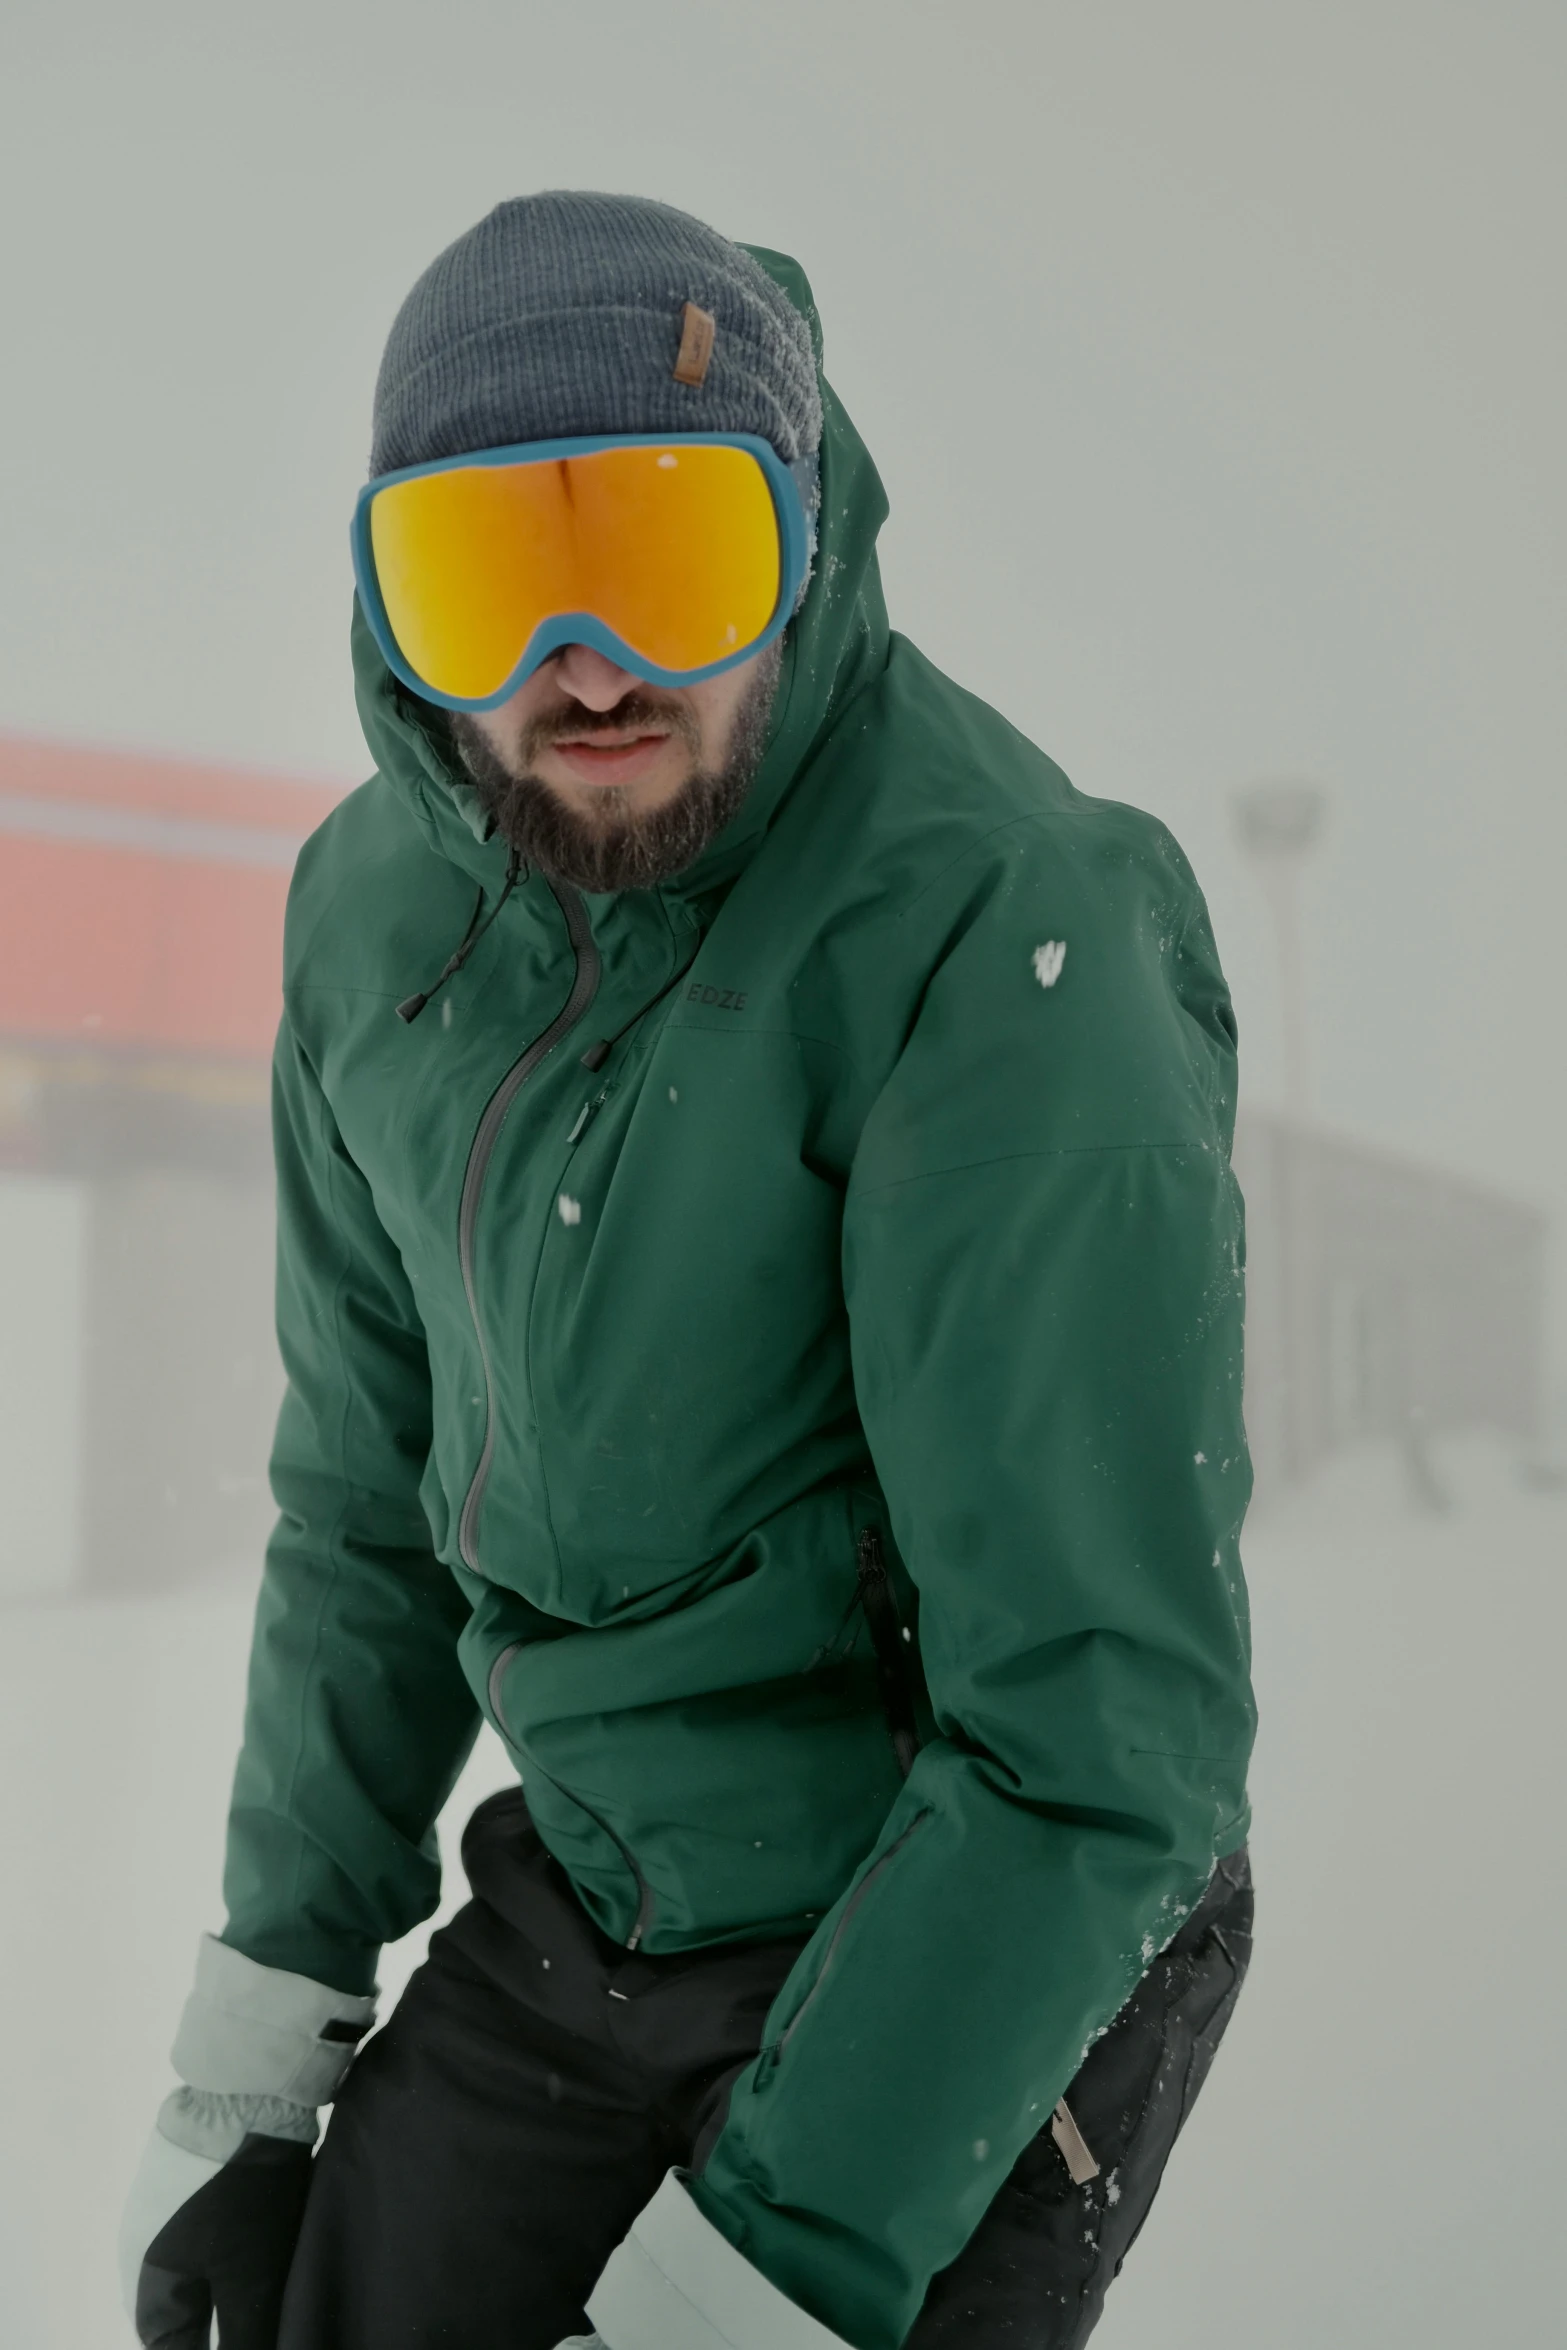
[141, 915]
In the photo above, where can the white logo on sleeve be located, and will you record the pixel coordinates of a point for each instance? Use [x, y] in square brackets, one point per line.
[1048, 960]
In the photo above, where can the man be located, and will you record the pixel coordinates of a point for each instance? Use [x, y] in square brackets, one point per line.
[760, 1286]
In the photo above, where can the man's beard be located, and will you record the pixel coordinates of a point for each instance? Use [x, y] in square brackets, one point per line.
[617, 846]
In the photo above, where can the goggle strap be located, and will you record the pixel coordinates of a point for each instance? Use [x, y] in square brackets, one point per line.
[805, 473]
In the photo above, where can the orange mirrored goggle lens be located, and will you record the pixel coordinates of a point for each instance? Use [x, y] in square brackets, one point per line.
[676, 550]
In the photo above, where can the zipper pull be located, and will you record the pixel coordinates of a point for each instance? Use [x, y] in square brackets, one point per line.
[585, 1117]
[1076, 2152]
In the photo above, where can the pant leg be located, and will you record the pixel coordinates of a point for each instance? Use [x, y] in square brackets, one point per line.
[1034, 2274]
[490, 2147]
[480, 2167]
[493, 2144]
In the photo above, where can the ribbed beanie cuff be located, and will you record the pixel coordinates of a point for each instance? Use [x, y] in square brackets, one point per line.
[562, 314]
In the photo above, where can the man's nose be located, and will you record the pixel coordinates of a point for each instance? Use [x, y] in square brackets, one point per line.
[591, 679]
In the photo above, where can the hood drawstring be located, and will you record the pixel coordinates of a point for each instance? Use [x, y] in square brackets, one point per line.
[411, 1006]
[597, 1054]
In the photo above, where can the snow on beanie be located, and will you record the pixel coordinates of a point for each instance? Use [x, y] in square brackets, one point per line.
[567, 313]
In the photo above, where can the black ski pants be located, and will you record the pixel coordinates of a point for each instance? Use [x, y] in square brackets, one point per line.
[492, 2145]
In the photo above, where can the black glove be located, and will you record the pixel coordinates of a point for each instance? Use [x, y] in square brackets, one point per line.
[226, 2251]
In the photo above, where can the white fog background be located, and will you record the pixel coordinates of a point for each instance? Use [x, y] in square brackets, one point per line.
[1213, 357]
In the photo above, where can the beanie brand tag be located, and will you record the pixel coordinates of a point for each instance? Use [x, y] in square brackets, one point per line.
[697, 331]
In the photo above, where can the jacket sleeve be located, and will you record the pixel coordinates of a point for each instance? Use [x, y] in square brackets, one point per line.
[1043, 1265]
[358, 1719]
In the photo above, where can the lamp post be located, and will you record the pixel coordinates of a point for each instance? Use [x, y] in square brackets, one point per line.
[1277, 822]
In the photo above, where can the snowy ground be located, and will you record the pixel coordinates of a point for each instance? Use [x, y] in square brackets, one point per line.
[1378, 2156]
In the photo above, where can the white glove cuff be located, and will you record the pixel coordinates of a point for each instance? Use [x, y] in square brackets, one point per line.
[215, 2125]
[677, 2284]
[259, 2031]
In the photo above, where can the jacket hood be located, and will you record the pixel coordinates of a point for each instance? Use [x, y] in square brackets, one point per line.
[836, 643]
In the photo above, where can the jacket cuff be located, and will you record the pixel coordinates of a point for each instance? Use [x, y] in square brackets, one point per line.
[259, 2031]
[677, 2284]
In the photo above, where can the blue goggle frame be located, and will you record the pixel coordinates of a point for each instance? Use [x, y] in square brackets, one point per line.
[794, 492]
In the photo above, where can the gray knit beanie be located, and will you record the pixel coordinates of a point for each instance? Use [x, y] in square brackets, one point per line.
[565, 313]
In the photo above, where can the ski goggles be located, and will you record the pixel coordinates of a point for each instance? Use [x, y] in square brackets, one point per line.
[674, 556]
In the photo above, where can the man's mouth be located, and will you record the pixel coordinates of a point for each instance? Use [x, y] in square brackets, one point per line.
[619, 756]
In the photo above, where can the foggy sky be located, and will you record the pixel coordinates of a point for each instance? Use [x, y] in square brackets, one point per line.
[1212, 356]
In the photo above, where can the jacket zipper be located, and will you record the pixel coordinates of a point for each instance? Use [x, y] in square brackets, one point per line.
[840, 1929]
[894, 1683]
[644, 1916]
[584, 987]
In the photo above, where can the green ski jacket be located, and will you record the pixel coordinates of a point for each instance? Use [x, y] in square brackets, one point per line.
[855, 1349]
